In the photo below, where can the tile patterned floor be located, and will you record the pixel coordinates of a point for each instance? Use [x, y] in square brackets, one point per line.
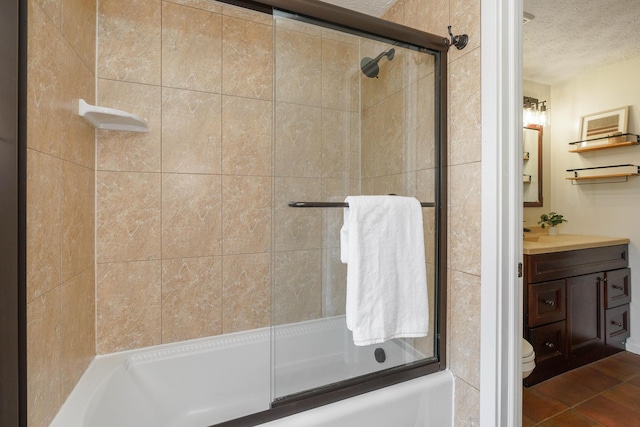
[604, 393]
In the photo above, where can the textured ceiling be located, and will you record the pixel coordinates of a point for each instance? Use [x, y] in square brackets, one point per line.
[565, 38]
[570, 36]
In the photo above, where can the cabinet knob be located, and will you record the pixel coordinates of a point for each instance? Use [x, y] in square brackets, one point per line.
[618, 287]
[549, 345]
[550, 302]
[618, 324]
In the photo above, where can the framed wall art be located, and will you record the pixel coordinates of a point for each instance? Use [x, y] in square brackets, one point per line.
[606, 123]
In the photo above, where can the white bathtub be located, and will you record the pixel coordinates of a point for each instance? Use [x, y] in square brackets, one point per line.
[207, 381]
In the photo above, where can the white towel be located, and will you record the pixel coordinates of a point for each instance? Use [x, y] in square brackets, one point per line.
[382, 242]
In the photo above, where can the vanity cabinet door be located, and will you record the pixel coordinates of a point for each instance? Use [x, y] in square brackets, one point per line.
[585, 326]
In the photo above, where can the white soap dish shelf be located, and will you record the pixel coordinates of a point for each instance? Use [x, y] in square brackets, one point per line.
[111, 119]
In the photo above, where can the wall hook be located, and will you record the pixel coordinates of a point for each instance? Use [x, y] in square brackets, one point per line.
[459, 41]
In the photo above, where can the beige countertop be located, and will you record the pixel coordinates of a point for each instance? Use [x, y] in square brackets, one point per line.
[541, 243]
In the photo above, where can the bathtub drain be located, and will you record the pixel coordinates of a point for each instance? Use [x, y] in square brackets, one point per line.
[380, 355]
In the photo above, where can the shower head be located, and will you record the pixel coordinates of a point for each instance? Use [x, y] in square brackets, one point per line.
[370, 66]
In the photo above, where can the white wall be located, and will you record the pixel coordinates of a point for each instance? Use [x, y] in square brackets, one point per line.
[599, 209]
[541, 92]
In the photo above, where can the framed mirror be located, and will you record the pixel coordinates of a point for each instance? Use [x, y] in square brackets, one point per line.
[532, 166]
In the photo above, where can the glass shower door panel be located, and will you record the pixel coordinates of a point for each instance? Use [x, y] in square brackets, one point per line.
[353, 116]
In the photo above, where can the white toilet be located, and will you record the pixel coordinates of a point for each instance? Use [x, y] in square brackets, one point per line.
[528, 358]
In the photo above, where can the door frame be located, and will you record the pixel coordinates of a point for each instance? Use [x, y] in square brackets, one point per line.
[501, 307]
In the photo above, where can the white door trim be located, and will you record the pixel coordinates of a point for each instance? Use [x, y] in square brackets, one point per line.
[501, 314]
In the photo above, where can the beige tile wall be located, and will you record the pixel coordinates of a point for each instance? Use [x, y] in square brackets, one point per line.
[193, 225]
[60, 202]
[226, 151]
[463, 305]
[184, 220]
[317, 139]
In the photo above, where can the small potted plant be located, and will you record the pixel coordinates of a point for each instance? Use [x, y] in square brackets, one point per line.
[551, 219]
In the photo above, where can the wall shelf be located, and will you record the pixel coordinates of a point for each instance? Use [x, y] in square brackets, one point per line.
[111, 119]
[603, 172]
[610, 141]
[612, 175]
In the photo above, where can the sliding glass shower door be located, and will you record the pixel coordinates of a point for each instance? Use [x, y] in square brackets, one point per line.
[353, 115]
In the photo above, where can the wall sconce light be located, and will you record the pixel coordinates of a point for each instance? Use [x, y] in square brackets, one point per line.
[544, 116]
[534, 112]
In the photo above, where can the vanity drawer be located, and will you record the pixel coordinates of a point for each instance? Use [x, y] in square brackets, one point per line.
[548, 341]
[547, 303]
[617, 325]
[617, 289]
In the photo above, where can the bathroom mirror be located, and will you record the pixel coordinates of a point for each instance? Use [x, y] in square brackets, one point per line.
[532, 166]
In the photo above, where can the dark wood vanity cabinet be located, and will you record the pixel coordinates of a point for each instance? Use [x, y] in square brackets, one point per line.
[576, 307]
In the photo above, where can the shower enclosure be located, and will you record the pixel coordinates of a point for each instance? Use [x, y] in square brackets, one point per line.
[354, 114]
[225, 217]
